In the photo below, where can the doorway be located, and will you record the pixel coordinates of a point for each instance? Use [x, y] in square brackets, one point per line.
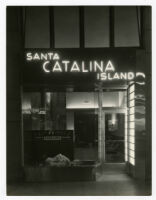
[86, 135]
[114, 137]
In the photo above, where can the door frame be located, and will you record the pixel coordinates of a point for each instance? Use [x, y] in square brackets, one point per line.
[102, 140]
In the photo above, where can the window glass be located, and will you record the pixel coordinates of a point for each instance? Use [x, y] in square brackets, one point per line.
[66, 25]
[126, 26]
[37, 27]
[96, 22]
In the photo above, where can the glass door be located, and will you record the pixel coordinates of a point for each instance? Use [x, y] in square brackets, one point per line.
[86, 135]
[114, 137]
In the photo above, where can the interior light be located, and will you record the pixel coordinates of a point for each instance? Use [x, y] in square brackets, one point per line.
[132, 146]
[132, 153]
[131, 117]
[131, 125]
[131, 110]
[132, 160]
[131, 89]
[131, 96]
[131, 103]
[131, 139]
[131, 132]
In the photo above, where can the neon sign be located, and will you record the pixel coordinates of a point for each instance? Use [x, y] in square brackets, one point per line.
[105, 70]
[74, 66]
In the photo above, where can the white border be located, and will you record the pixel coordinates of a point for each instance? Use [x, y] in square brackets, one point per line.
[77, 2]
[3, 5]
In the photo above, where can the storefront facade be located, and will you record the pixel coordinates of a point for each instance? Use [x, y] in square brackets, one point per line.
[87, 103]
[88, 92]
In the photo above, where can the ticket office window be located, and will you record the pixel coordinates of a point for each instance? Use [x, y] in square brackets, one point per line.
[44, 111]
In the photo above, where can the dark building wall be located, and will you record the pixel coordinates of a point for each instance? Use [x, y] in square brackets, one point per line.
[144, 138]
[138, 171]
[142, 169]
[14, 52]
[146, 31]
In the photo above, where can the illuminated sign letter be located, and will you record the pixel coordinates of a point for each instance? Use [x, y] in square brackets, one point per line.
[123, 75]
[50, 56]
[130, 75]
[116, 76]
[57, 67]
[91, 66]
[97, 66]
[103, 76]
[44, 67]
[56, 57]
[36, 57]
[140, 74]
[66, 62]
[43, 56]
[29, 56]
[109, 66]
[83, 67]
[109, 76]
[75, 67]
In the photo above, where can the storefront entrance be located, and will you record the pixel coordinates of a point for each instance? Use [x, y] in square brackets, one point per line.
[76, 114]
[86, 135]
[114, 137]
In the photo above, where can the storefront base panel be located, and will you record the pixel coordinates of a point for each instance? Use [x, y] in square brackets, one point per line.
[130, 169]
[56, 174]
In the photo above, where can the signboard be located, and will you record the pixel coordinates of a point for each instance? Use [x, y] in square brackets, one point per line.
[100, 64]
[51, 143]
